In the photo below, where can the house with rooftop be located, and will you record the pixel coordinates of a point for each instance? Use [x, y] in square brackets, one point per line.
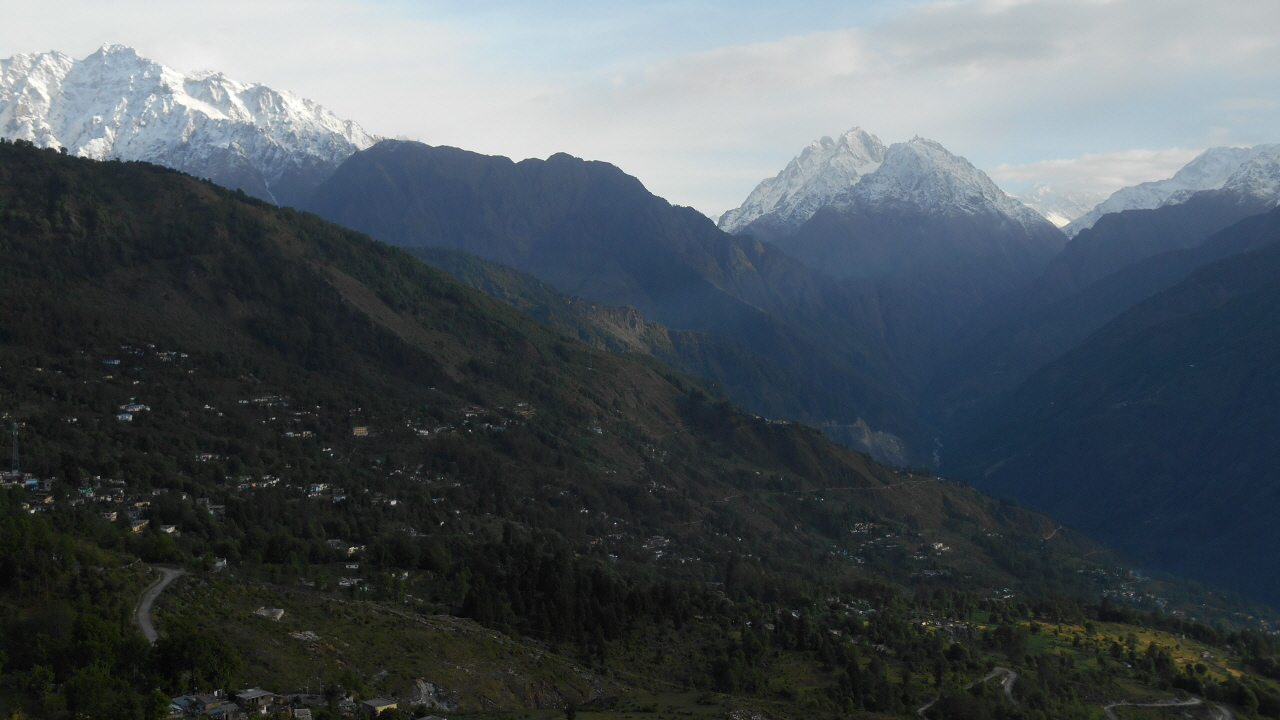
[372, 707]
[255, 699]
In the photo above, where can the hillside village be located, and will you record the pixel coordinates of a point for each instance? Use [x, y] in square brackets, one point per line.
[256, 702]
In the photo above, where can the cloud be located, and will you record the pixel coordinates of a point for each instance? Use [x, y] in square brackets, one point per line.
[1004, 83]
[1100, 173]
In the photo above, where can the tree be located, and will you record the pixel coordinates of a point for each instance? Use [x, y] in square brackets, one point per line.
[196, 659]
[157, 705]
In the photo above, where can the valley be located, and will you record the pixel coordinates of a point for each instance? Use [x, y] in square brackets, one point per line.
[310, 423]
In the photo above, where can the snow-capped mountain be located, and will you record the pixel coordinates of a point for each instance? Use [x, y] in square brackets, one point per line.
[1259, 174]
[924, 176]
[781, 204]
[933, 234]
[1057, 206]
[857, 171]
[1251, 171]
[115, 104]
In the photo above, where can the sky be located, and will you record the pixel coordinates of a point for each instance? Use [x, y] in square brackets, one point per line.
[702, 99]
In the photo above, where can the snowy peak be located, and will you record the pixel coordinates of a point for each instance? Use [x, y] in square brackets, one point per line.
[28, 86]
[1258, 175]
[857, 172]
[117, 104]
[1250, 171]
[812, 179]
[923, 174]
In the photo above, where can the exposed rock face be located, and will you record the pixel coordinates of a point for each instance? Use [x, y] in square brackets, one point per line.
[429, 695]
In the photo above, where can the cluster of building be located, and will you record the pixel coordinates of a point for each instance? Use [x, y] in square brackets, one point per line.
[119, 501]
[256, 701]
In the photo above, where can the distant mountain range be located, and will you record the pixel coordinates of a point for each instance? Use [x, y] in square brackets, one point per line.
[1124, 257]
[116, 105]
[1251, 171]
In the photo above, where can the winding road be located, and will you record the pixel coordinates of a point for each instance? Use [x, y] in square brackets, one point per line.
[1223, 713]
[143, 614]
[1010, 677]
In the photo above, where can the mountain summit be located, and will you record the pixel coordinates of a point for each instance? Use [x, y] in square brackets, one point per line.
[779, 205]
[116, 104]
[932, 234]
[924, 176]
[857, 170]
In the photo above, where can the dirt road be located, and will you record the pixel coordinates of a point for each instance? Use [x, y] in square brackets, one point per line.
[143, 614]
[1010, 677]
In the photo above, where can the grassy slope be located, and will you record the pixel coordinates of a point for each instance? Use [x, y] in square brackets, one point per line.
[383, 649]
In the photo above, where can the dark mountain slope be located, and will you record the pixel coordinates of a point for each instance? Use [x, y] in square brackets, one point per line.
[933, 271]
[1157, 433]
[594, 232]
[1117, 241]
[758, 383]
[934, 236]
[292, 331]
[995, 365]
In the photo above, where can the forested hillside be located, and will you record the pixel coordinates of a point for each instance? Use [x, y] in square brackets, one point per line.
[590, 230]
[436, 488]
[749, 378]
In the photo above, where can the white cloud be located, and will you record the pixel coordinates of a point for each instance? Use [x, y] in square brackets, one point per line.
[1101, 173]
[999, 82]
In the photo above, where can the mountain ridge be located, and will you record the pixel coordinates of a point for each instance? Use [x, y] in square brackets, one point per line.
[591, 231]
[1153, 432]
[1251, 171]
[754, 381]
[986, 369]
[779, 205]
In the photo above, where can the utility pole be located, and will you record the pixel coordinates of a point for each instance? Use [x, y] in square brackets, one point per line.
[15, 449]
